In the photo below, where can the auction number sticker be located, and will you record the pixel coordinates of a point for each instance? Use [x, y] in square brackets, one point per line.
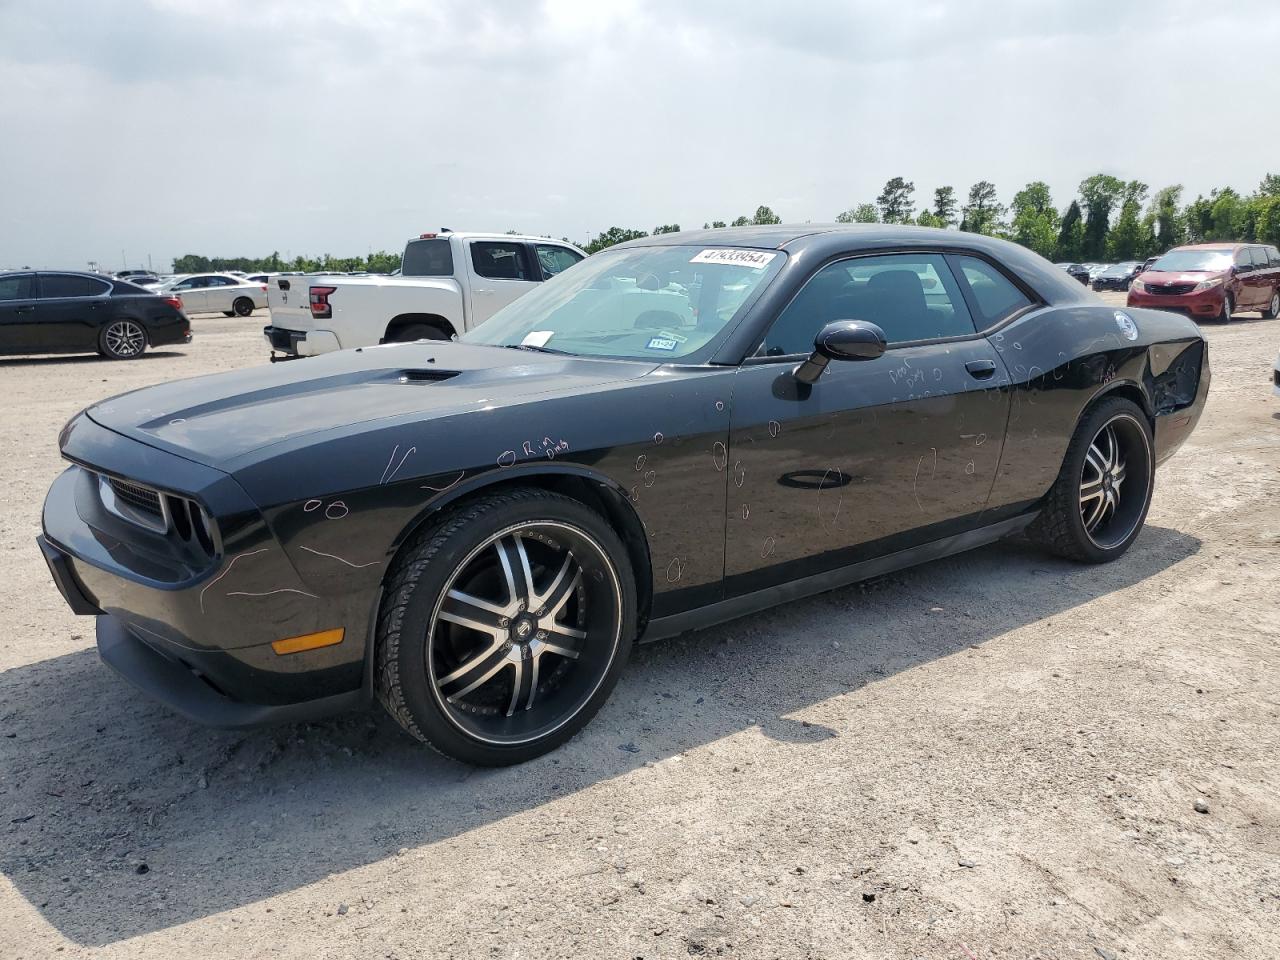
[755, 259]
[662, 343]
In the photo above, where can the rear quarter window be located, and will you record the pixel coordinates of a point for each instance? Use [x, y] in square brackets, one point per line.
[994, 295]
[428, 258]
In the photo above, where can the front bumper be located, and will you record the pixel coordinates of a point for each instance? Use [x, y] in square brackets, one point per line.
[188, 692]
[174, 621]
[1207, 303]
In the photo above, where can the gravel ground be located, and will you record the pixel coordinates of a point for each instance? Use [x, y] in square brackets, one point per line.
[996, 755]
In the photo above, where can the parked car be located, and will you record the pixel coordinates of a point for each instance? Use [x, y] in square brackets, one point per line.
[1146, 265]
[217, 293]
[66, 312]
[1078, 271]
[451, 282]
[1118, 276]
[475, 532]
[134, 275]
[1208, 280]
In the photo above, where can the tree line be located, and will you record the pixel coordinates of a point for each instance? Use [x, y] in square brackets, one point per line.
[1108, 220]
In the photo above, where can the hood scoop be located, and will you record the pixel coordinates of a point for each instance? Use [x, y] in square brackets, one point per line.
[424, 376]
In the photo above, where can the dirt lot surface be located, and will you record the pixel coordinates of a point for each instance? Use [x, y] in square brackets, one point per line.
[996, 755]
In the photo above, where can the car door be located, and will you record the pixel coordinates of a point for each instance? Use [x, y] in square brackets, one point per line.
[501, 271]
[194, 294]
[877, 455]
[1261, 278]
[18, 311]
[72, 309]
[220, 294]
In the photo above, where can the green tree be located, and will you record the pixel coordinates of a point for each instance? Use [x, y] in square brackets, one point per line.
[928, 218]
[713, 225]
[1071, 235]
[1168, 228]
[1099, 195]
[1228, 216]
[741, 222]
[1270, 185]
[765, 215]
[1267, 225]
[895, 201]
[944, 205]
[667, 228]
[1128, 238]
[983, 213]
[611, 236]
[862, 213]
[1035, 221]
[1198, 218]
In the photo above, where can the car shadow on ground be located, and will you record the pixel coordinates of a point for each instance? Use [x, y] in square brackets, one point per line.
[82, 358]
[120, 818]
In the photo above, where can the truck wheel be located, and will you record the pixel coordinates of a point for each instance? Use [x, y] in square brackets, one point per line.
[416, 331]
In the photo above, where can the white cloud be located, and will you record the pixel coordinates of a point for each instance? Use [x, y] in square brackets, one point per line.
[241, 128]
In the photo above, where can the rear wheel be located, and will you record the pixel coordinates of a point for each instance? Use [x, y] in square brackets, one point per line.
[1098, 504]
[505, 626]
[1272, 309]
[122, 340]
[416, 331]
[242, 306]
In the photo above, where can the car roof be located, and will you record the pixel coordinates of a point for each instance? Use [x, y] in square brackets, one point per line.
[1221, 245]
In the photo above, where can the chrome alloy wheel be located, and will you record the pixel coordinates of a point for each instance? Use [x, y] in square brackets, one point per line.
[1108, 509]
[524, 632]
[124, 338]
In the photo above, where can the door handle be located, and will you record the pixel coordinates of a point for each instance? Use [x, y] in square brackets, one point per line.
[981, 369]
[24, 310]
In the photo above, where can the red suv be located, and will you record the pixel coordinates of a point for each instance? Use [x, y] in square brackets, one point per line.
[1212, 280]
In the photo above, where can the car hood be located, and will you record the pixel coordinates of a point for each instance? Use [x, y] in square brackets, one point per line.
[215, 419]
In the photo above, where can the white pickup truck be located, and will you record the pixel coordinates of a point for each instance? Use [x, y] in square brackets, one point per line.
[448, 283]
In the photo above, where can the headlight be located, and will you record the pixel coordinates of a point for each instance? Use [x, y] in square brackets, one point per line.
[1204, 285]
[1138, 286]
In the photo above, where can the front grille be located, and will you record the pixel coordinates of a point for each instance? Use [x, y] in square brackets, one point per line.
[1170, 289]
[164, 513]
[140, 498]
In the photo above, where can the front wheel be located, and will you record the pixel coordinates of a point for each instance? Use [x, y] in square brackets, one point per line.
[242, 306]
[1228, 308]
[505, 626]
[122, 340]
[1272, 309]
[1099, 502]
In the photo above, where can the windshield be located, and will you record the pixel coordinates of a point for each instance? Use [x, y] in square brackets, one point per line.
[652, 303]
[1176, 261]
[1120, 268]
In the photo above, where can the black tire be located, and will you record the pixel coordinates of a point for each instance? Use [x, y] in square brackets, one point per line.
[242, 307]
[1067, 524]
[1228, 307]
[1272, 309]
[425, 655]
[122, 339]
[416, 331]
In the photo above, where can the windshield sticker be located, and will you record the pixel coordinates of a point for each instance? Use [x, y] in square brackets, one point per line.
[755, 259]
[537, 338]
[673, 336]
[661, 343]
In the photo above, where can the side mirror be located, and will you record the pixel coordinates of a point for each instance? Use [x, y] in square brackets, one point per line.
[842, 340]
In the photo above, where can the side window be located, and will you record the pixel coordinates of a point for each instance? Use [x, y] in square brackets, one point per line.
[15, 288]
[554, 259]
[910, 296]
[1242, 259]
[994, 294]
[221, 282]
[56, 286]
[1274, 254]
[500, 260]
[1259, 256]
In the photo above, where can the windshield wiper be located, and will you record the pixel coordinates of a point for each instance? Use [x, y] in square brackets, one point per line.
[530, 346]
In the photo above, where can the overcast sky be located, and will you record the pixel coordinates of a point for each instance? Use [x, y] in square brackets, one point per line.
[237, 128]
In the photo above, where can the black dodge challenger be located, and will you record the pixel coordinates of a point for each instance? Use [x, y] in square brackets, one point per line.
[678, 431]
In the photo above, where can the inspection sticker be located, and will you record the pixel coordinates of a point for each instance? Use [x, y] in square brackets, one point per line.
[537, 338]
[661, 343]
[755, 259]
